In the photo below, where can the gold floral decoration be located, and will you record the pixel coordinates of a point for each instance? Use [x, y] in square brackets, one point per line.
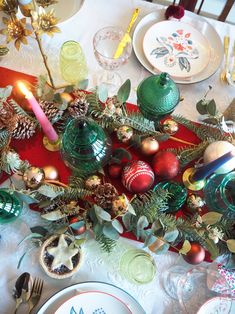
[45, 22]
[46, 3]
[9, 6]
[16, 31]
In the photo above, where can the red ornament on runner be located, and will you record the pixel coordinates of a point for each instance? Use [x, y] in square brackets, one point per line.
[137, 177]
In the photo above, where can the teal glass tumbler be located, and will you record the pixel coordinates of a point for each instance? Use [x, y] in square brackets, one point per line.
[85, 147]
[137, 266]
[178, 195]
[10, 207]
[219, 193]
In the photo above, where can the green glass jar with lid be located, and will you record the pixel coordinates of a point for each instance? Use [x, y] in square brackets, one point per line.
[157, 96]
[85, 147]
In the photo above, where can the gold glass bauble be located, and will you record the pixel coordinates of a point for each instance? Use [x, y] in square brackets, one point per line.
[51, 173]
[33, 177]
[149, 146]
[170, 126]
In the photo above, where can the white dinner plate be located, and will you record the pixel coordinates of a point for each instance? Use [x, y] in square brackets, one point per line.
[102, 303]
[176, 48]
[59, 299]
[218, 305]
[198, 22]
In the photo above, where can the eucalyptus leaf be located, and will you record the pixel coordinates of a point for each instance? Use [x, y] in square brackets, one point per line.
[213, 121]
[117, 225]
[212, 248]
[120, 153]
[162, 249]
[58, 98]
[185, 248]
[149, 239]
[77, 225]
[5, 92]
[110, 232]
[69, 89]
[49, 191]
[201, 107]
[231, 245]
[30, 236]
[171, 236]
[25, 198]
[39, 230]
[78, 242]
[98, 229]
[53, 215]
[211, 107]
[124, 92]
[130, 209]
[126, 219]
[101, 213]
[102, 92]
[23, 256]
[82, 84]
[211, 218]
[142, 222]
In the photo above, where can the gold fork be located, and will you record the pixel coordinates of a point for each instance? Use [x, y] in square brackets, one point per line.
[36, 294]
[225, 70]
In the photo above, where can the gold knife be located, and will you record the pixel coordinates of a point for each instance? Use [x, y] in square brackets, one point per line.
[126, 38]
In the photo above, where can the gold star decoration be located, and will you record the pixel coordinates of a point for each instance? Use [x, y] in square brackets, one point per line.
[62, 254]
[16, 30]
[45, 22]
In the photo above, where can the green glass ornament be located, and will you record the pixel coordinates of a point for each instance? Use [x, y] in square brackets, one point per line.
[157, 96]
[85, 146]
[10, 207]
[73, 65]
[178, 195]
[219, 194]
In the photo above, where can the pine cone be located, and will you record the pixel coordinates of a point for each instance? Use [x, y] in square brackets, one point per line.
[78, 108]
[104, 195]
[24, 128]
[8, 117]
[50, 109]
[79, 95]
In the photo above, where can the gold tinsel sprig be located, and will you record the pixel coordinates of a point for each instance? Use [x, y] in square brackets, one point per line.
[46, 3]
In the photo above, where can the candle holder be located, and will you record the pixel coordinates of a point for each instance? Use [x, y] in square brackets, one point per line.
[10, 207]
[219, 193]
[50, 145]
[190, 183]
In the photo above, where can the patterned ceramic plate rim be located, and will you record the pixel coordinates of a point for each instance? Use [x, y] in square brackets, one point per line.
[215, 300]
[195, 60]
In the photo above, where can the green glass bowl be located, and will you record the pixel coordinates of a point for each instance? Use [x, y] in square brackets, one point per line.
[85, 146]
[178, 195]
[157, 96]
[10, 207]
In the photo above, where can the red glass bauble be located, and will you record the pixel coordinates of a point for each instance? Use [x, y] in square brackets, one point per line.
[79, 231]
[165, 164]
[196, 254]
[115, 170]
[137, 177]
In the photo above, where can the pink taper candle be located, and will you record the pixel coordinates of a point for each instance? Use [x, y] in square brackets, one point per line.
[46, 125]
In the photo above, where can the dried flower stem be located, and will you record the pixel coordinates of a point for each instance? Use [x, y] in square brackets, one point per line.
[44, 57]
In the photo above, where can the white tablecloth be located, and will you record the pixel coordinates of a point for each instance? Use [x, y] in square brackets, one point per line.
[97, 265]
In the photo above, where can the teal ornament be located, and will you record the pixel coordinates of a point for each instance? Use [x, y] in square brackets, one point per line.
[10, 207]
[157, 96]
[178, 195]
[85, 146]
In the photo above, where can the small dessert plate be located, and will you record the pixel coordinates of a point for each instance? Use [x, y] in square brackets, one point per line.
[176, 48]
[220, 305]
[95, 302]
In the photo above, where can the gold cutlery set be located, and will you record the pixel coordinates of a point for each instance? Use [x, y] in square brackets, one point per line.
[227, 74]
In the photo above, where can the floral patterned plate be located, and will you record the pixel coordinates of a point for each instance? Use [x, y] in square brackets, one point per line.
[94, 302]
[177, 48]
[217, 305]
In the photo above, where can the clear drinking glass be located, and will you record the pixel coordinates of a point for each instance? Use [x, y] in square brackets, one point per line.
[105, 43]
[137, 266]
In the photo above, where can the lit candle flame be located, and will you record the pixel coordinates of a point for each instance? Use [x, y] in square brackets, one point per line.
[24, 89]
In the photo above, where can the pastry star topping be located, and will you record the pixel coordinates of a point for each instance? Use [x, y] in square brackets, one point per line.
[62, 254]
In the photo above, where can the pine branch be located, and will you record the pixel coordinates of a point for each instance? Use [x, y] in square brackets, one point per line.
[188, 154]
[74, 194]
[106, 243]
[20, 111]
[4, 138]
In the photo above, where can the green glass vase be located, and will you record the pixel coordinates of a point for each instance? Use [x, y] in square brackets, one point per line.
[73, 65]
[10, 207]
[157, 96]
[85, 146]
[219, 194]
[178, 195]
